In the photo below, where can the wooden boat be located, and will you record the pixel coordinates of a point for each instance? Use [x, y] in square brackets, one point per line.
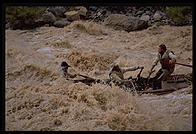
[173, 83]
[143, 85]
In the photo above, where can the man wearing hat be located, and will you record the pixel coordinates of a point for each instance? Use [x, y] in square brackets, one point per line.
[68, 72]
[117, 73]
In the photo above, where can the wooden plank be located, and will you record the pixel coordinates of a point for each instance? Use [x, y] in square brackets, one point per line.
[175, 81]
[158, 91]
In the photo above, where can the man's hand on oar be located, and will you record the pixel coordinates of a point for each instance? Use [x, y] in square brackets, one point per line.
[85, 76]
[148, 78]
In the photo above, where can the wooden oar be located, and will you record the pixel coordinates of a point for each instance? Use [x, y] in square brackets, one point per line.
[183, 64]
[86, 76]
[140, 72]
[148, 78]
[132, 84]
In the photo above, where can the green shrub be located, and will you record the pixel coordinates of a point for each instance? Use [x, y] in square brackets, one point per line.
[22, 17]
[178, 14]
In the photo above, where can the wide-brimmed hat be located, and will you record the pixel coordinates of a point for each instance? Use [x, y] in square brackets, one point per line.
[64, 64]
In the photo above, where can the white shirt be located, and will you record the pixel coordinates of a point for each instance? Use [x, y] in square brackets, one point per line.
[70, 72]
[118, 76]
[167, 54]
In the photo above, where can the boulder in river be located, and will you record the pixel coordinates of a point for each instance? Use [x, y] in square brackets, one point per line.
[145, 17]
[127, 23]
[72, 15]
[82, 10]
[61, 23]
[157, 16]
[48, 17]
[58, 11]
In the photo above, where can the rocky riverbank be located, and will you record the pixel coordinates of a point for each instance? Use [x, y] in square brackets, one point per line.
[129, 18]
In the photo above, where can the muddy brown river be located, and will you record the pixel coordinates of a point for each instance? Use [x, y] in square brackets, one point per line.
[38, 97]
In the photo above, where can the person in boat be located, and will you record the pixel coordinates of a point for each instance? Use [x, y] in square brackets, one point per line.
[167, 59]
[116, 73]
[68, 72]
[72, 75]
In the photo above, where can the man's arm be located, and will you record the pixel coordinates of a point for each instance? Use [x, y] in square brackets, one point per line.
[126, 69]
[115, 77]
[173, 58]
[155, 62]
[71, 73]
[72, 76]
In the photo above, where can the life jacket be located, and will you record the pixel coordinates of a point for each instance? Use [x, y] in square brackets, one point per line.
[165, 61]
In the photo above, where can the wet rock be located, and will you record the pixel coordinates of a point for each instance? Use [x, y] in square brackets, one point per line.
[127, 23]
[72, 15]
[139, 13]
[103, 12]
[148, 13]
[58, 11]
[145, 17]
[39, 22]
[157, 16]
[48, 17]
[108, 13]
[61, 23]
[81, 10]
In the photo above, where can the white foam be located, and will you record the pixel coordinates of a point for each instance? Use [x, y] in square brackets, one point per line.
[45, 50]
